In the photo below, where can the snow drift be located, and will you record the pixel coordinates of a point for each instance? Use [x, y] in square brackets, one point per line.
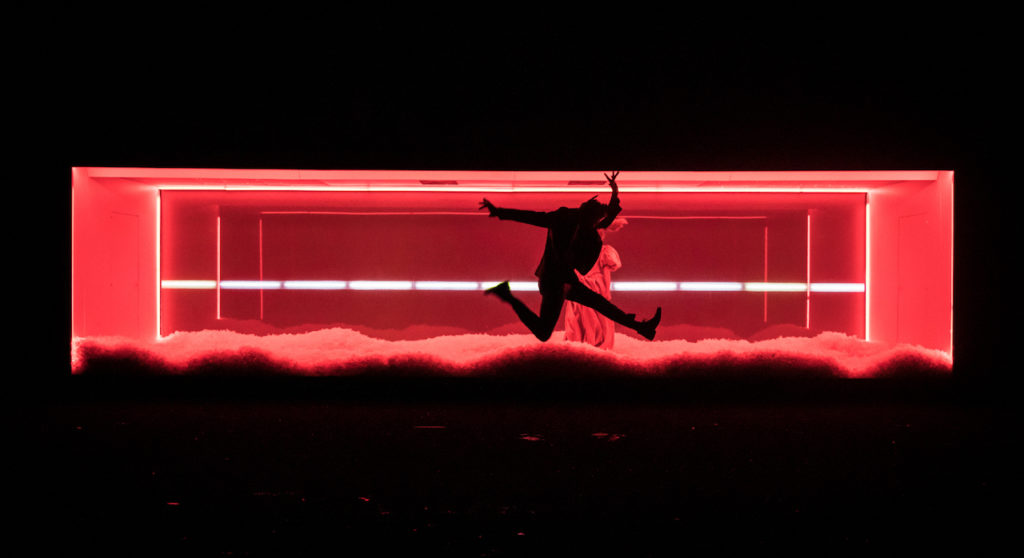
[346, 352]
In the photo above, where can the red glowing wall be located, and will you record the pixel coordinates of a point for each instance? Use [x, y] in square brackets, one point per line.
[911, 274]
[163, 250]
[114, 250]
[387, 236]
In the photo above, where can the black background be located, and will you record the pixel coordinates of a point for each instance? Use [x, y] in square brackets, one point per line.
[593, 91]
[513, 88]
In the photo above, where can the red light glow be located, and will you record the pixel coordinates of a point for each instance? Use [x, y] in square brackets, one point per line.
[631, 286]
[278, 250]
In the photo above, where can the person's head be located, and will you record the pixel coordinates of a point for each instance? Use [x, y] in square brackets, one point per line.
[615, 226]
[592, 211]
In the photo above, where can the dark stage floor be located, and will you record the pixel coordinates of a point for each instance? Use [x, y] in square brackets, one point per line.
[498, 477]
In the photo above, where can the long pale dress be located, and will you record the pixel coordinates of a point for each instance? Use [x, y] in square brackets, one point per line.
[584, 324]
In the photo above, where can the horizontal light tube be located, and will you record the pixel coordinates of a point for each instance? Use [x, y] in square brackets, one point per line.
[446, 286]
[316, 285]
[837, 287]
[188, 284]
[380, 285]
[528, 286]
[517, 189]
[775, 287]
[637, 286]
[708, 286]
[250, 285]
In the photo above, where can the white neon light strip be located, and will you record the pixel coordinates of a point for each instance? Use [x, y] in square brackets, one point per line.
[775, 287]
[446, 286]
[380, 285]
[316, 285]
[698, 286]
[645, 286]
[250, 285]
[624, 286]
[188, 284]
[527, 286]
[837, 287]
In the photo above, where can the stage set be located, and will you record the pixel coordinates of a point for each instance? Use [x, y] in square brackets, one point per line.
[353, 272]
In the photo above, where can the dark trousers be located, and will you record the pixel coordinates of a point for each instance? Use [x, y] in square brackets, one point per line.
[553, 294]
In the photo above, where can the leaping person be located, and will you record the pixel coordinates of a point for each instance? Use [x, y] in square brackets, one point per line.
[573, 243]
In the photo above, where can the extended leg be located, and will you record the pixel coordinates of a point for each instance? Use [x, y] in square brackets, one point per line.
[541, 325]
[583, 295]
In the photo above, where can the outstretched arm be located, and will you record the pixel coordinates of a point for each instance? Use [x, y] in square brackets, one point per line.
[536, 218]
[614, 207]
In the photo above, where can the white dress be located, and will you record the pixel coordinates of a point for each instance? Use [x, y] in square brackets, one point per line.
[584, 324]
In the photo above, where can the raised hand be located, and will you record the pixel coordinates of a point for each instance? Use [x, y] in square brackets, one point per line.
[490, 206]
[611, 181]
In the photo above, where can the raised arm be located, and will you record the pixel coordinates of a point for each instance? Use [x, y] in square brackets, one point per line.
[536, 218]
[614, 206]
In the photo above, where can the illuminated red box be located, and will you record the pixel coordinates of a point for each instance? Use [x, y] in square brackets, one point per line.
[157, 251]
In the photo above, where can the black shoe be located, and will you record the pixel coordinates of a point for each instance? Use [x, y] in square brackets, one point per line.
[501, 290]
[647, 328]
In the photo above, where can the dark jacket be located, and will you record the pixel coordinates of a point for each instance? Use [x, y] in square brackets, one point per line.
[569, 245]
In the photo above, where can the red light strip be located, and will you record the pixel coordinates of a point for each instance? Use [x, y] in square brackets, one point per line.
[482, 214]
[808, 310]
[158, 263]
[261, 265]
[867, 267]
[382, 213]
[463, 286]
[764, 286]
[506, 188]
[218, 268]
[766, 272]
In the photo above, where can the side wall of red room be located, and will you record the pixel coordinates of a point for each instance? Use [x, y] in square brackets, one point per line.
[911, 262]
[114, 257]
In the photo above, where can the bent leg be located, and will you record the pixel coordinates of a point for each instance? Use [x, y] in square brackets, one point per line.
[541, 325]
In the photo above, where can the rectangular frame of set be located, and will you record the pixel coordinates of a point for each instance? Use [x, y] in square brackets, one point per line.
[158, 250]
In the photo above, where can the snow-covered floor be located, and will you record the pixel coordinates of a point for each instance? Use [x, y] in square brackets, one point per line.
[341, 351]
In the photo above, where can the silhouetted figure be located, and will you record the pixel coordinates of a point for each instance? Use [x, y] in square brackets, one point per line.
[586, 325]
[573, 244]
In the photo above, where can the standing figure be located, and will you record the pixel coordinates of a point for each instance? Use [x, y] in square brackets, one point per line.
[573, 245]
[583, 324]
